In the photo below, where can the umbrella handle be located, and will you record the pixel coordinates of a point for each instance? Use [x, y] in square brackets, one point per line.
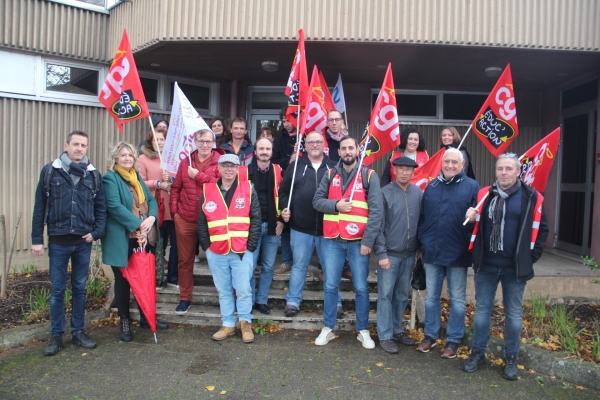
[155, 340]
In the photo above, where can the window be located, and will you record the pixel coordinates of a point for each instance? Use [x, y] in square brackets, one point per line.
[462, 106]
[269, 100]
[94, 5]
[202, 95]
[150, 88]
[72, 80]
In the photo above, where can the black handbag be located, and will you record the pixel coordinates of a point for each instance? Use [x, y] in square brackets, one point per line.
[418, 278]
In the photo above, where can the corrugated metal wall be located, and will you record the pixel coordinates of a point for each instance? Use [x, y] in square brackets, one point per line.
[52, 28]
[33, 134]
[544, 24]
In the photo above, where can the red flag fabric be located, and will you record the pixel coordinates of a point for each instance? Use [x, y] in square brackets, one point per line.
[537, 162]
[297, 85]
[141, 275]
[428, 171]
[122, 93]
[383, 131]
[496, 122]
[314, 118]
[329, 104]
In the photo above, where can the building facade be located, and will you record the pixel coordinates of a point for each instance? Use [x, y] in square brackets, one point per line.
[56, 55]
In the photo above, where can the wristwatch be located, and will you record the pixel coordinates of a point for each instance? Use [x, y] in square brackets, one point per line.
[158, 184]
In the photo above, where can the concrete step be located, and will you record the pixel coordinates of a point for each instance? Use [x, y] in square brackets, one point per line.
[210, 316]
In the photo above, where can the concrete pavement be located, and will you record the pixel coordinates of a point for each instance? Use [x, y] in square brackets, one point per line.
[283, 365]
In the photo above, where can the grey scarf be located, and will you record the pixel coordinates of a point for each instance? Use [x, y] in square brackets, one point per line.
[497, 212]
[66, 163]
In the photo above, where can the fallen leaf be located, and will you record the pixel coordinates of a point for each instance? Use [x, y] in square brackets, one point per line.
[379, 364]
[531, 371]
[28, 276]
[368, 371]
[223, 392]
[210, 388]
[84, 354]
[519, 366]
[579, 387]
[313, 342]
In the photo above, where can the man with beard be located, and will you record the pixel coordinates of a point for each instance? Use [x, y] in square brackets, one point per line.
[266, 179]
[350, 227]
[335, 132]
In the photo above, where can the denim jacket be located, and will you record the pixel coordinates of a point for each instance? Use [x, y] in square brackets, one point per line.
[72, 209]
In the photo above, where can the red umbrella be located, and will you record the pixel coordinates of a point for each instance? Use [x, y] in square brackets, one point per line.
[141, 274]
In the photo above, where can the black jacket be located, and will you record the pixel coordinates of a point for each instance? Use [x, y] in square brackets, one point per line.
[271, 207]
[304, 218]
[283, 147]
[255, 219]
[524, 256]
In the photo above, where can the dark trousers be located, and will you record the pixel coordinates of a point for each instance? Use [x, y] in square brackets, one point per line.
[168, 233]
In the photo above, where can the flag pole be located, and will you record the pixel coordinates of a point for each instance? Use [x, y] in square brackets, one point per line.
[297, 154]
[362, 157]
[156, 143]
[477, 206]
[464, 137]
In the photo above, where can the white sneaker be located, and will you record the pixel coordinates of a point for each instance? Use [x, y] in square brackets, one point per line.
[365, 338]
[325, 336]
[196, 259]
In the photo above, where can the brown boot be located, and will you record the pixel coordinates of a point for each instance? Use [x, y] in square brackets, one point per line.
[247, 335]
[223, 333]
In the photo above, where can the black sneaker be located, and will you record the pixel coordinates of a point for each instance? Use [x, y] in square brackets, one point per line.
[426, 344]
[450, 350]
[389, 346]
[403, 338]
[83, 340]
[53, 346]
[183, 307]
[511, 371]
[263, 308]
[476, 359]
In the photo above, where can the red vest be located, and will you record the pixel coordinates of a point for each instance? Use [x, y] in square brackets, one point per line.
[350, 225]
[243, 175]
[535, 228]
[422, 158]
[228, 228]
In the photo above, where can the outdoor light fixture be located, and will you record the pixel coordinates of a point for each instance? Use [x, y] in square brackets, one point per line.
[270, 66]
[493, 72]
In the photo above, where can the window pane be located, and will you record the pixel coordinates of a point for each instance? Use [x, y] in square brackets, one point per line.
[269, 100]
[414, 105]
[60, 78]
[462, 106]
[150, 88]
[199, 96]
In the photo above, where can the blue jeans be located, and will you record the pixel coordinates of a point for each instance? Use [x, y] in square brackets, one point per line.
[286, 248]
[267, 245]
[302, 249]
[230, 272]
[336, 252]
[457, 286]
[168, 232]
[393, 286]
[59, 256]
[486, 283]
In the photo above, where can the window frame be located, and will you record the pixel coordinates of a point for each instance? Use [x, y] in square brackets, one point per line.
[44, 93]
[213, 94]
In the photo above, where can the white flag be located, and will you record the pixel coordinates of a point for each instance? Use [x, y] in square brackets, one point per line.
[338, 96]
[185, 121]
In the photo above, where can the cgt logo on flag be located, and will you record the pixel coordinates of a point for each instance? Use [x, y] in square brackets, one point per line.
[494, 129]
[537, 162]
[372, 146]
[127, 107]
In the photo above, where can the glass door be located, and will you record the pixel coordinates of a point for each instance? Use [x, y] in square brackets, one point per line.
[260, 120]
[577, 178]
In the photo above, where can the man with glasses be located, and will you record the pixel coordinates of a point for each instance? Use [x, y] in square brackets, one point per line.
[336, 131]
[186, 195]
[229, 228]
[444, 247]
[350, 199]
[395, 247]
[306, 223]
[509, 235]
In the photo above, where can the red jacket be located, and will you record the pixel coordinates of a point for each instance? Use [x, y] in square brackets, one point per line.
[186, 193]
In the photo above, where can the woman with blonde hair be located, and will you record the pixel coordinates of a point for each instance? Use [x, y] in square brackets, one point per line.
[131, 217]
[449, 137]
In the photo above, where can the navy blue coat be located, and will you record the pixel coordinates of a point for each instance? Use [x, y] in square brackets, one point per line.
[444, 239]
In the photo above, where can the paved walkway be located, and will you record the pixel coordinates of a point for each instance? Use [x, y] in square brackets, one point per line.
[283, 365]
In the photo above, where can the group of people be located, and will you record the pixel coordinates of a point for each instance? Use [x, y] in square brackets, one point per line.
[237, 200]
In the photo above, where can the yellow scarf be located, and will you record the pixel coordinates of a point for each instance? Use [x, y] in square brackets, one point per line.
[131, 177]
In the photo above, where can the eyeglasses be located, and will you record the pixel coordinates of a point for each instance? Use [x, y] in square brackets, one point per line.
[314, 143]
[228, 166]
[204, 142]
[336, 120]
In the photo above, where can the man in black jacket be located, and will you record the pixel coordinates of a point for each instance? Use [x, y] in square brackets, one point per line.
[508, 237]
[306, 223]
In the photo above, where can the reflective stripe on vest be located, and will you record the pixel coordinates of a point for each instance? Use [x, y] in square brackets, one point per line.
[535, 227]
[243, 174]
[422, 158]
[228, 227]
[350, 225]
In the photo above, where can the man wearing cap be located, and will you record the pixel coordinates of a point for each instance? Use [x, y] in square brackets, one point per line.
[395, 247]
[229, 227]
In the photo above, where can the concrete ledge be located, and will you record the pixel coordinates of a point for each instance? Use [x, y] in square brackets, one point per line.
[22, 334]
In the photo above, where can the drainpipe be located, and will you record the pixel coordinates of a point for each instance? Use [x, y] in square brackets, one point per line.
[233, 99]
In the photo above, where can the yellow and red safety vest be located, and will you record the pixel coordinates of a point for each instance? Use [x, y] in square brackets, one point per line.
[228, 227]
[535, 228]
[350, 225]
[244, 176]
[422, 158]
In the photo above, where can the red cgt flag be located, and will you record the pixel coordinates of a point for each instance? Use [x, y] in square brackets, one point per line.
[383, 127]
[329, 104]
[496, 122]
[297, 85]
[314, 117]
[537, 162]
[122, 93]
[428, 171]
